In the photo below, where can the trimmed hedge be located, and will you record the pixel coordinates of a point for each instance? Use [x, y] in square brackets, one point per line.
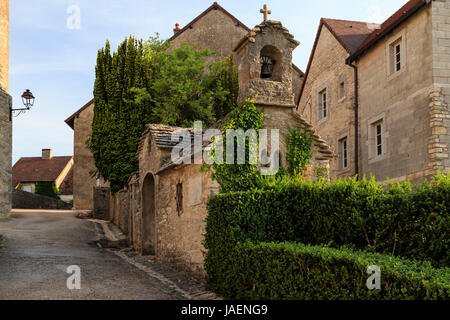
[362, 215]
[287, 271]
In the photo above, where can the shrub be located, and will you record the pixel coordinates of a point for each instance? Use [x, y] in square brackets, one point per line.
[301, 272]
[48, 189]
[363, 215]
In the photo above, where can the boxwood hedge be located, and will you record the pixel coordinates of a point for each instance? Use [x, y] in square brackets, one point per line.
[363, 216]
[296, 271]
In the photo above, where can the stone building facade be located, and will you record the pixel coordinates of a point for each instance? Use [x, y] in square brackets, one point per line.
[83, 181]
[329, 76]
[163, 209]
[399, 122]
[5, 121]
[215, 29]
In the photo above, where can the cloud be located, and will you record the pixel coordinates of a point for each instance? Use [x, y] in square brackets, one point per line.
[44, 68]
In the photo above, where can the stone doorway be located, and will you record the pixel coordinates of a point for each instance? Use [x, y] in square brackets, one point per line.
[148, 216]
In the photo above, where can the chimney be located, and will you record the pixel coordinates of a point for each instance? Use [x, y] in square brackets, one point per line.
[47, 154]
[177, 28]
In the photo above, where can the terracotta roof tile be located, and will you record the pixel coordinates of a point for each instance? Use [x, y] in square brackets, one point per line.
[35, 169]
[351, 34]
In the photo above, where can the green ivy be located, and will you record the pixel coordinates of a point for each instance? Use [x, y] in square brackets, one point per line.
[48, 189]
[299, 145]
[144, 83]
[239, 177]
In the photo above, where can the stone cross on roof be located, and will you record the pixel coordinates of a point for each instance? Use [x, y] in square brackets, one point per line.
[266, 12]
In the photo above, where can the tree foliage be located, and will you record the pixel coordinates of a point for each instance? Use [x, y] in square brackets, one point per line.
[151, 83]
[239, 177]
[119, 118]
[299, 150]
[48, 189]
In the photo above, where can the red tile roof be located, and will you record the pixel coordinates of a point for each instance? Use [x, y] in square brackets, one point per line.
[66, 187]
[36, 169]
[350, 34]
[410, 8]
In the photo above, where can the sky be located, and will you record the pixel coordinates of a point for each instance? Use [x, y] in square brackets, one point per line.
[53, 53]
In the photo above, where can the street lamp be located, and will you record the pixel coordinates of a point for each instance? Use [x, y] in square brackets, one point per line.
[28, 102]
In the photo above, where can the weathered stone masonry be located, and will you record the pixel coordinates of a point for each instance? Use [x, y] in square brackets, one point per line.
[5, 123]
[5, 155]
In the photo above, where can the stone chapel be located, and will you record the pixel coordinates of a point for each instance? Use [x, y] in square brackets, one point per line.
[163, 210]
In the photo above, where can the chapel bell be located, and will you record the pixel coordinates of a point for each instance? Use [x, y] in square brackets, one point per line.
[266, 67]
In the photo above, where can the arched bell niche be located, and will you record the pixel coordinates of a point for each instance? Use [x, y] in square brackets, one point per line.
[270, 59]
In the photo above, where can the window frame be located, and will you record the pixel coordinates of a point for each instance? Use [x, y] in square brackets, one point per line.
[371, 142]
[323, 104]
[378, 135]
[341, 90]
[343, 153]
[399, 39]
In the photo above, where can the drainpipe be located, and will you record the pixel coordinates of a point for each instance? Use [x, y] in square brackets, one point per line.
[356, 107]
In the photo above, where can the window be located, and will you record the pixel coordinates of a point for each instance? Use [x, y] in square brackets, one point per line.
[342, 90]
[378, 127]
[323, 107]
[179, 198]
[343, 153]
[396, 56]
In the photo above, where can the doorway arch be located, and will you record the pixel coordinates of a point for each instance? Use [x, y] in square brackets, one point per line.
[148, 216]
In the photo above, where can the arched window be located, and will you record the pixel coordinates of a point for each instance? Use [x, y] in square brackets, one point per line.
[270, 59]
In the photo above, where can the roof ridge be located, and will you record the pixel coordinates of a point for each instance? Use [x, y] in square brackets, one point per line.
[214, 6]
[345, 20]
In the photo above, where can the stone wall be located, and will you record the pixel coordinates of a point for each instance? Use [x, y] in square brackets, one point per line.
[83, 182]
[400, 100]
[215, 31]
[101, 203]
[5, 155]
[26, 200]
[438, 147]
[327, 71]
[180, 233]
[4, 45]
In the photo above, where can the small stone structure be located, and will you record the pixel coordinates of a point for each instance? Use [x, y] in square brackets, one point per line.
[165, 203]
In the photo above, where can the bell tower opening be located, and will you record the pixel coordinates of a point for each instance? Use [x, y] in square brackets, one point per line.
[270, 59]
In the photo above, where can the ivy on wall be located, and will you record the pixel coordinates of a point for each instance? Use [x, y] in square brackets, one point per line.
[239, 177]
[299, 150]
[48, 189]
[144, 83]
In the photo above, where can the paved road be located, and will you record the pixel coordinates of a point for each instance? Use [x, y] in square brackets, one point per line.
[39, 246]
